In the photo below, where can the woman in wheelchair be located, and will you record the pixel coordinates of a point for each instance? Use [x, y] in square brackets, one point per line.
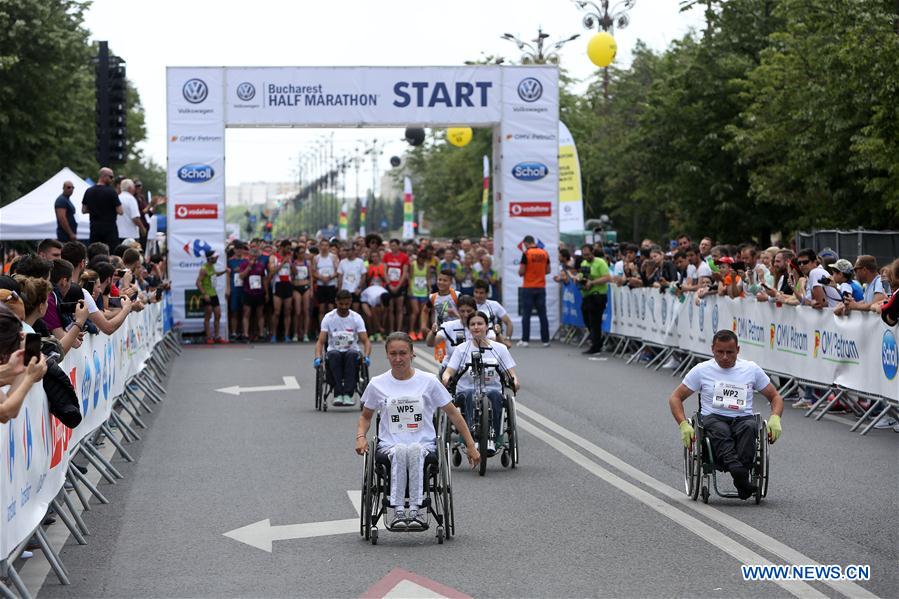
[446, 336]
[407, 399]
[496, 361]
[725, 385]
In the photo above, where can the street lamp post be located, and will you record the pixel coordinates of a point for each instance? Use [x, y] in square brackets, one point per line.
[605, 16]
[533, 52]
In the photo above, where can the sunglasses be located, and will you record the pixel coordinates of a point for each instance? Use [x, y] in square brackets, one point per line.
[9, 296]
[802, 262]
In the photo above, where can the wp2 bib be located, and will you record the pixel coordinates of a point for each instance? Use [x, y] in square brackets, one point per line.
[731, 396]
[342, 339]
[405, 414]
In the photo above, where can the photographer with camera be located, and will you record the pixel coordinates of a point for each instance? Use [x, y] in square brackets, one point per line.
[593, 279]
[65, 320]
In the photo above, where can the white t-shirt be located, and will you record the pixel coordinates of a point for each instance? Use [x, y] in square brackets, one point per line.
[343, 331]
[618, 269]
[493, 309]
[407, 407]
[814, 280]
[692, 274]
[326, 266]
[352, 271]
[496, 357]
[372, 295]
[726, 391]
[89, 302]
[454, 334]
[704, 270]
[872, 288]
[123, 221]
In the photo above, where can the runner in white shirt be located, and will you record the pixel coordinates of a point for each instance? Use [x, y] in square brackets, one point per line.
[342, 330]
[726, 385]
[495, 312]
[446, 336]
[407, 400]
[496, 358]
[350, 272]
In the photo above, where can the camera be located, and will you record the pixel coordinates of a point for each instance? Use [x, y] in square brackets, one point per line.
[585, 276]
[826, 280]
[67, 307]
[713, 288]
[115, 302]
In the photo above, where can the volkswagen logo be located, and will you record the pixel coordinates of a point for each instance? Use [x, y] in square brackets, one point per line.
[195, 91]
[246, 91]
[530, 90]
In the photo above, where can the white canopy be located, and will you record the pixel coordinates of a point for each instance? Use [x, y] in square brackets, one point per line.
[32, 216]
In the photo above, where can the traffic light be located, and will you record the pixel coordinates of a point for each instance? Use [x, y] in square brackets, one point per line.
[112, 108]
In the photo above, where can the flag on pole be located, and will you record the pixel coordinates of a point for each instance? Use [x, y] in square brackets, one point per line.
[408, 210]
[485, 204]
[342, 222]
[362, 216]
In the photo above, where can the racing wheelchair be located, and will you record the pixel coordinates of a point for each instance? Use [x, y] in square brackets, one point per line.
[481, 430]
[700, 465]
[324, 382]
[438, 489]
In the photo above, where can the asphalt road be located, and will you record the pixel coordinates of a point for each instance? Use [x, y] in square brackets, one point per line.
[596, 507]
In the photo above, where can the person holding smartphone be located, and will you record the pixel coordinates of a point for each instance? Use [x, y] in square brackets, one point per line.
[15, 370]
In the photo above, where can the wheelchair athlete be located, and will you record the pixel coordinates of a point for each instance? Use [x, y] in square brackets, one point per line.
[726, 385]
[342, 329]
[407, 399]
[454, 333]
[496, 358]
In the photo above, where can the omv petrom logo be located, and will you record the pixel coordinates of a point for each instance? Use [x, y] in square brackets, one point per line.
[889, 355]
[195, 91]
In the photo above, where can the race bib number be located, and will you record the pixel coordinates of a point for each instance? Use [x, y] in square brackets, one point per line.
[302, 273]
[350, 279]
[420, 283]
[236, 281]
[394, 274]
[731, 396]
[490, 370]
[255, 282]
[343, 339]
[284, 273]
[405, 414]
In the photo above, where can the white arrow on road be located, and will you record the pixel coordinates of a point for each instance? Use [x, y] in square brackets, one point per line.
[290, 384]
[262, 534]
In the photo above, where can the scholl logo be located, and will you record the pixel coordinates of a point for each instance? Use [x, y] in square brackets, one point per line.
[195, 91]
[195, 173]
[530, 89]
[889, 355]
[86, 387]
[246, 91]
[98, 383]
[529, 171]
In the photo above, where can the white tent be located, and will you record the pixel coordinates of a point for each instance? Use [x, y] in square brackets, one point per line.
[32, 216]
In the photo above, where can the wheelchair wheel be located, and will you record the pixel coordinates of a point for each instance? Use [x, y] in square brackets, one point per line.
[367, 491]
[763, 461]
[483, 433]
[362, 383]
[693, 465]
[511, 431]
[319, 388]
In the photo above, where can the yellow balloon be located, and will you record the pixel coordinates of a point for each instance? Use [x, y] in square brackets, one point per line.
[459, 136]
[601, 49]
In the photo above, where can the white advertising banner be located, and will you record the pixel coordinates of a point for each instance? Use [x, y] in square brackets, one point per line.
[529, 201]
[196, 185]
[858, 352]
[34, 446]
[342, 96]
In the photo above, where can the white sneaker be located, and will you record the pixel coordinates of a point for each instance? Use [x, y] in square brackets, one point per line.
[886, 423]
[521, 344]
[491, 447]
[26, 555]
[671, 363]
[546, 344]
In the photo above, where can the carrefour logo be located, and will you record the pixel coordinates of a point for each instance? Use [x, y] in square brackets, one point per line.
[889, 355]
[195, 91]
[530, 89]
[197, 248]
[529, 171]
[196, 173]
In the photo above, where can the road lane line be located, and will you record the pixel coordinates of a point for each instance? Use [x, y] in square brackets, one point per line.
[788, 554]
[720, 540]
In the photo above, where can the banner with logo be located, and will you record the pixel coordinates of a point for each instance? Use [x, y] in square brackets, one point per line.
[408, 210]
[858, 352]
[571, 305]
[529, 202]
[196, 185]
[571, 198]
[34, 446]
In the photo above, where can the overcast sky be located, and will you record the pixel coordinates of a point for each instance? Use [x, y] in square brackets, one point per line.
[152, 35]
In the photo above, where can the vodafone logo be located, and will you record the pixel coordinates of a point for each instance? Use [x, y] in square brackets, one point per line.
[190, 211]
[531, 209]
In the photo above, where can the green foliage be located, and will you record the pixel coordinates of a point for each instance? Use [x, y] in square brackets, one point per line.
[47, 99]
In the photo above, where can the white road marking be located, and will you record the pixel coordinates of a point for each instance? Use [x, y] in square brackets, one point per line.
[262, 534]
[788, 554]
[290, 384]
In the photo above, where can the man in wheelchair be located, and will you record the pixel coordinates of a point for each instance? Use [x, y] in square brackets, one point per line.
[407, 399]
[341, 331]
[726, 385]
[496, 361]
